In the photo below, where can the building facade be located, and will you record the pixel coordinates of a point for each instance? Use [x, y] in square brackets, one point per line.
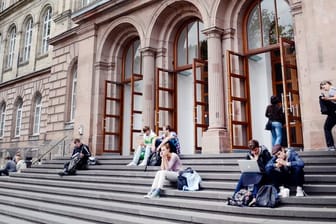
[100, 70]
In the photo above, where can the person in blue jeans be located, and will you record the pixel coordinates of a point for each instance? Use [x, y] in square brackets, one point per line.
[275, 114]
[286, 169]
[253, 181]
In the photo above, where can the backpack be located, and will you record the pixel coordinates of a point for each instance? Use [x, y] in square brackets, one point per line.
[267, 196]
[72, 167]
[154, 159]
[191, 176]
[242, 198]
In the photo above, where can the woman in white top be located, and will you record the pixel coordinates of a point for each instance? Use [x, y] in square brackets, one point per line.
[20, 163]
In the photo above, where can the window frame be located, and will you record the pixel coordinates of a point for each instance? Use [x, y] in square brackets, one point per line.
[2, 119]
[37, 114]
[18, 118]
[73, 94]
[11, 47]
[45, 29]
[27, 41]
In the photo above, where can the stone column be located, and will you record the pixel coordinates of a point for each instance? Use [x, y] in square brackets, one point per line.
[148, 72]
[215, 138]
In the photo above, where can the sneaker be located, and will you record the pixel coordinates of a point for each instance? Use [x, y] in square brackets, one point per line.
[143, 164]
[299, 192]
[281, 192]
[253, 202]
[155, 193]
[61, 174]
[331, 148]
[148, 195]
[131, 164]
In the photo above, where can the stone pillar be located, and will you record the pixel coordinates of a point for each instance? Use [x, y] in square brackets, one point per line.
[148, 71]
[215, 139]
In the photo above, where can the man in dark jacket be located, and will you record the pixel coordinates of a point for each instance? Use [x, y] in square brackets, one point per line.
[9, 167]
[286, 169]
[255, 180]
[79, 159]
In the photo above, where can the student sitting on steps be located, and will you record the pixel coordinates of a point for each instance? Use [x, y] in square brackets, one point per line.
[170, 167]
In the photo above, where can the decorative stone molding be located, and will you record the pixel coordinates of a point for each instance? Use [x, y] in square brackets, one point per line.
[64, 15]
[102, 65]
[229, 33]
[148, 51]
[296, 8]
[213, 31]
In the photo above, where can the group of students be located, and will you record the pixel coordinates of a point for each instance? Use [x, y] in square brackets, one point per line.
[152, 143]
[282, 169]
[13, 165]
[169, 148]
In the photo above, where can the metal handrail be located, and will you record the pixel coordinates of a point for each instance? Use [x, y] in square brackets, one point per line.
[48, 151]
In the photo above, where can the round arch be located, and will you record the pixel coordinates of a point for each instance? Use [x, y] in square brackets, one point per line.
[119, 33]
[184, 10]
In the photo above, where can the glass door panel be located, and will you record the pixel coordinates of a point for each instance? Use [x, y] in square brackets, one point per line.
[240, 122]
[112, 117]
[291, 95]
[201, 110]
[165, 99]
[136, 109]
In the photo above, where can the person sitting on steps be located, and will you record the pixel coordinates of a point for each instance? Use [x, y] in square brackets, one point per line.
[145, 145]
[170, 167]
[9, 167]
[254, 180]
[286, 168]
[79, 159]
[169, 136]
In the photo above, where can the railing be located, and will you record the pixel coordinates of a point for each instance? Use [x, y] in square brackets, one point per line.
[61, 141]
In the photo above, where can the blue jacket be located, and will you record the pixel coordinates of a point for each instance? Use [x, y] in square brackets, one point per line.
[292, 157]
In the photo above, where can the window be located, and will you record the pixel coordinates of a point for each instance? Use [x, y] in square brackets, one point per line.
[86, 2]
[46, 30]
[2, 119]
[3, 5]
[191, 44]
[27, 39]
[73, 95]
[18, 119]
[11, 47]
[37, 114]
[267, 21]
[133, 60]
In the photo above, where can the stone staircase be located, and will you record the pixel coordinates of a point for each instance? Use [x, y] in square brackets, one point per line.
[113, 193]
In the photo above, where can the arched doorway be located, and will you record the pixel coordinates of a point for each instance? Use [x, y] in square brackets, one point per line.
[181, 94]
[123, 103]
[266, 67]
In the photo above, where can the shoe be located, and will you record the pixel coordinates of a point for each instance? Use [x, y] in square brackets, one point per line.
[252, 203]
[299, 192]
[142, 164]
[149, 194]
[281, 192]
[331, 149]
[131, 164]
[61, 174]
[155, 193]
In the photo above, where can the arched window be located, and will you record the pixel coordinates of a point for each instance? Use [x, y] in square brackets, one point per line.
[28, 33]
[73, 94]
[11, 47]
[46, 23]
[133, 60]
[191, 44]
[18, 117]
[2, 119]
[86, 2]
[37, 114]
[267, 21]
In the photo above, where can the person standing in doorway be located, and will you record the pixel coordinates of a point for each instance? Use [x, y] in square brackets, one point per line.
[275, 114]
[330, 122]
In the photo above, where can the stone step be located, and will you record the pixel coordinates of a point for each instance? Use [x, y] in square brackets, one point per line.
[11, 211]
[5, 219]
[160, 210]
[87, 176]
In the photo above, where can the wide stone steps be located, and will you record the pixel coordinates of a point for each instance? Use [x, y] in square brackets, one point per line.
[113, 193]
[189, 212]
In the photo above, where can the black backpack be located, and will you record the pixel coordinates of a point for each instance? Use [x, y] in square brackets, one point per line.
[241, 198]
[267, 196]
[154, 159]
